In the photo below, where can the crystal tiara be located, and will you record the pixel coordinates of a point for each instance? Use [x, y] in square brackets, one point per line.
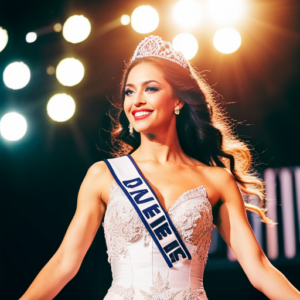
[155, 46]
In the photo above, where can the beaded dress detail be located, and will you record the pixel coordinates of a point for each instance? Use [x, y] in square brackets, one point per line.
[138, 268]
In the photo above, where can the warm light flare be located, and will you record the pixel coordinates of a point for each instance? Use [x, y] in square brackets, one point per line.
[226, 11]
[57, 27]
[69, 71]
[61, 107]
[188, 13]
[144, 19]
[187, 44]
[227, 40]
[125, 20]
[76, 29]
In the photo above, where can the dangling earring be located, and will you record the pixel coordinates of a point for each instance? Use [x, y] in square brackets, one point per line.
[176, 110]
[130, 129]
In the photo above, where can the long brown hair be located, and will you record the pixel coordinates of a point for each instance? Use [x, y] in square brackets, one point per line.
[202, 124]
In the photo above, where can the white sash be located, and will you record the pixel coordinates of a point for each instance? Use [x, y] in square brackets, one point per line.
[157, 221]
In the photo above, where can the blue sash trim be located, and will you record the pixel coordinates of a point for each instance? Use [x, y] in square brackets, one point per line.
[151, 209]
[166, 214]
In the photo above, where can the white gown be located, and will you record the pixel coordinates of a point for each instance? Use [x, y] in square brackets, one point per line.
[138, 268]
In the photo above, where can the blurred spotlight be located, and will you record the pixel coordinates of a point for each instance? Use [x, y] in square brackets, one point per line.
[50, 70]
[13, 126]
[226, 11]
[188, 13]
[31, 37]
[187, 44]
[69, 71]
[76, 29]
[144, 19]
[125, 20]
[16, 75]
[3, 38]
[227, 40]
[61, 107]
[57, 27]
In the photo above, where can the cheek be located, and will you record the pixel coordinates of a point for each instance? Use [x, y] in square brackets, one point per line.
[164, 104]
[126, 106]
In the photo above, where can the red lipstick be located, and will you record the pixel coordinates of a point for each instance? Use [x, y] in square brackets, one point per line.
[142, 116]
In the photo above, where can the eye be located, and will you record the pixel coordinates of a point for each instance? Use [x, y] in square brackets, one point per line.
[151, 89]
[128, 92]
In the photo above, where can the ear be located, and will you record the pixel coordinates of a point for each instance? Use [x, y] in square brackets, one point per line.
[179, 103]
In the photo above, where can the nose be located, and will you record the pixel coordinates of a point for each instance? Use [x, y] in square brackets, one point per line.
[139, 99]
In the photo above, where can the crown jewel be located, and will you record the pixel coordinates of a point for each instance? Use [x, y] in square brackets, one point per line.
[155, 46]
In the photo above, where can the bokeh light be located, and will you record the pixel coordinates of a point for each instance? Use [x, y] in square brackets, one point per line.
[187, 44]
[50, 70]
[226, 11]
[57, 27]
[13, 126]
[3, 38]
[227, 40]
[76, 29]
[61, 107]
[31, 37]
[188, 13]
[69, 71]
[144, 19]
[16, 75]
[125, 20]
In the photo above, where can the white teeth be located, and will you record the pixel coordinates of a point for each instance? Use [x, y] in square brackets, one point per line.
[141, 113]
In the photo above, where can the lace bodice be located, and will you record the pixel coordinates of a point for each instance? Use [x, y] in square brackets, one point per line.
[139, 271]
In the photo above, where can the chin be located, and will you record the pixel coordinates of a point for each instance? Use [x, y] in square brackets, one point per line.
[142, 129]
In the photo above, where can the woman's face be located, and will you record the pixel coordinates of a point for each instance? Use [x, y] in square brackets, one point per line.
[149, 99]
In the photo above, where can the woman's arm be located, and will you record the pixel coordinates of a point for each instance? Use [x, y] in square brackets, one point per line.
[65, 263]
[233, 226]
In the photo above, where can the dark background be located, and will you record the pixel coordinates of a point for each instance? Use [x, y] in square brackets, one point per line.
[41, 173]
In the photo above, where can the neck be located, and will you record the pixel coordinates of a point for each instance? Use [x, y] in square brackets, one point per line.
[161, 147]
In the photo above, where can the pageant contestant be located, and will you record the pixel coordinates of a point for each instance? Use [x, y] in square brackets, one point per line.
[178, 171]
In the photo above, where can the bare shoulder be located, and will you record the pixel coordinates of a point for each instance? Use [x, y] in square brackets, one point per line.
[99, 176]
[221, 182]
[99, 168]
[220, 173]
[227, 186]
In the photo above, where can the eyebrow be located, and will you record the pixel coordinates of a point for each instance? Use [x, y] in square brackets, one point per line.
[143, 84]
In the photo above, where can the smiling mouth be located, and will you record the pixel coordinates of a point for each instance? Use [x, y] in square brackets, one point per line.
[142, 114]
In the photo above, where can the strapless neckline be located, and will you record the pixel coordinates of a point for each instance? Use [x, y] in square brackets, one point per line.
[182, 196]
[191, 193]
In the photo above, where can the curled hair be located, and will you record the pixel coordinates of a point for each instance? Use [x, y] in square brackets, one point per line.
[205, 132]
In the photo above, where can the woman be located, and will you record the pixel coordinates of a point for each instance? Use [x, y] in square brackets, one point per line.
[170, 136]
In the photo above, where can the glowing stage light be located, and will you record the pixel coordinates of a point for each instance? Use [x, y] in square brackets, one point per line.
[188, 13]
[31, 37]
[187, 44]
[227, 40]
[61, 107]
[144, 19]
[125, 20]
[69, 71]
[16, 75]
[76, 29]
[226, 11]
[13, 126]
[3, 38]
[57, 27]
